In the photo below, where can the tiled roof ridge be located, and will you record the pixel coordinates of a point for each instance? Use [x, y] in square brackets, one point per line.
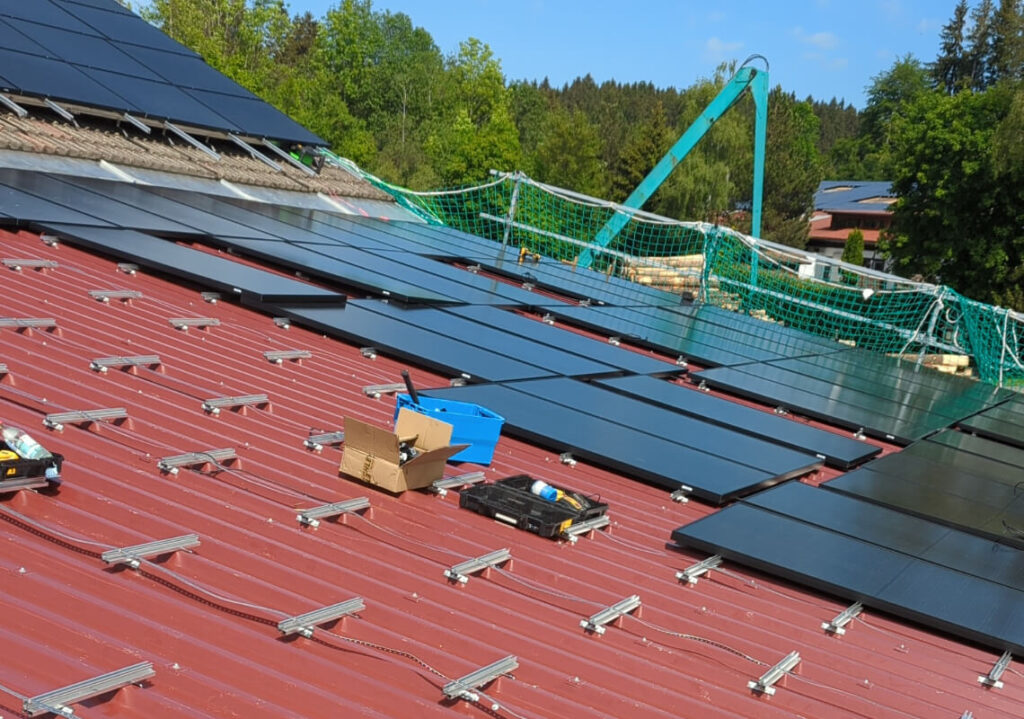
[57, 138]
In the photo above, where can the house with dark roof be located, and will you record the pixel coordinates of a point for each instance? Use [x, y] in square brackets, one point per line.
[841, 206]
[191, 315]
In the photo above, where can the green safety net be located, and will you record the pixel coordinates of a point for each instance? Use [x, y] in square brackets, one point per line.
[720, 266]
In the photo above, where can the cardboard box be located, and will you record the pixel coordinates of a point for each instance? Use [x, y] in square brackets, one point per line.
[371, 453]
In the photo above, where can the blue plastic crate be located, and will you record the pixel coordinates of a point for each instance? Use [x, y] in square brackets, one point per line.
[471, 424]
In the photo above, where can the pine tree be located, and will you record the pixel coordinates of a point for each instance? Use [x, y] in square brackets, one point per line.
[1007, 42]
[979, 46]
[949, 67]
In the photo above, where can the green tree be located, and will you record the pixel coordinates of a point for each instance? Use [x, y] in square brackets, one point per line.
[950, 67]
[570, 154]
[792, 169]
[645, 144]
[979, 46]
[853, 250]
[1008, 42]
[960, 216]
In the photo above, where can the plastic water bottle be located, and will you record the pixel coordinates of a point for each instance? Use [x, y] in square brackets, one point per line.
[545, 491]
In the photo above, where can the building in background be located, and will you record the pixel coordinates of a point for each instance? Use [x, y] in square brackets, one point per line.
[844, 205]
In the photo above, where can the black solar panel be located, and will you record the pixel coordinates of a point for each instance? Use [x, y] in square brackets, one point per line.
[837, 450]
[410, 343]
[251, 285]
[881, 559]
[97, 54]
[613, 445]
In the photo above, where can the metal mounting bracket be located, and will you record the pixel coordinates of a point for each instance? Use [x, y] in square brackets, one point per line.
[172, 464]
[211, 297]
[994, 677]
[18, 265]
[577, 530]
[304, 624]
[127, 268]
[57, 701]
[190, 140]
[441, 486]
[615, 340]
[459, 573]
[596, 623]
[766, 683]
[215, 405]
[463, 687]
[377, 390]
[57, 420]
[312, 516]
[368, 352]
[32, 323]
[317, 442]
[136, 123]
[691, 574]
[567, 459]
[13, 106]
[183, 323]
[254, 152]
[132, 556]
[102, 364]
[681, 495]
[838, 624]
[279, 356]
[283, 322]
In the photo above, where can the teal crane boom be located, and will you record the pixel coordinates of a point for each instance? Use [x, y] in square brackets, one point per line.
[746, 76]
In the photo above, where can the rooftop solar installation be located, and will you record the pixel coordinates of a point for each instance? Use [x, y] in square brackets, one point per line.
[308, 260]
[837, 450]
[622, 322]
[946, 485]
[879, 416]
[250, 284]
[447, 326]
[610, 444]
[410, 343]
[1004, 424]
[684, 430]
[520, 326]
[981, 446]
[857, 569]
[102, 56]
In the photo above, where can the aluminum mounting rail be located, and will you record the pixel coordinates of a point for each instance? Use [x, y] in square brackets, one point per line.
[459, 573]
[287, 157]
[378, 390]
[596, 623]
[279, 356]
[317, 442]
[57, 420]
[172, 464]
[994, 678]
[463, 687]
[441, 486]
[254, 152]
[312, 516]
[838, 625]
[36, 323]
[766, 683]
[304, 624]
[106, 295]
[133, 556]
[578, 529]
[16, 485]
[102, 364]
[215, 405]
[190, 140]
[13, 106]
[691, 574]
[18, 264]
[58, 701]
[183, 323]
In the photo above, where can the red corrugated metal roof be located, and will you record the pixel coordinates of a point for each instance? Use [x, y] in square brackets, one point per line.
[207, 619]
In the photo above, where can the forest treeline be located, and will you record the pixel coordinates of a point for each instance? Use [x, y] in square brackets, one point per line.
[949, 133]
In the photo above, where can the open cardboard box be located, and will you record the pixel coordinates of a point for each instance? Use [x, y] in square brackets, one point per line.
[371, 453]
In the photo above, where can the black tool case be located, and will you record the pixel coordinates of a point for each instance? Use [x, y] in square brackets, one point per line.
[510, 500]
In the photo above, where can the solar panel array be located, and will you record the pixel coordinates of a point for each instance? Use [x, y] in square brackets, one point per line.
[469, 309]
[99, 55]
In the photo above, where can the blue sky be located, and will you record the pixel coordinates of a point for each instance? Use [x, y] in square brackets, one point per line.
[823, 48]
